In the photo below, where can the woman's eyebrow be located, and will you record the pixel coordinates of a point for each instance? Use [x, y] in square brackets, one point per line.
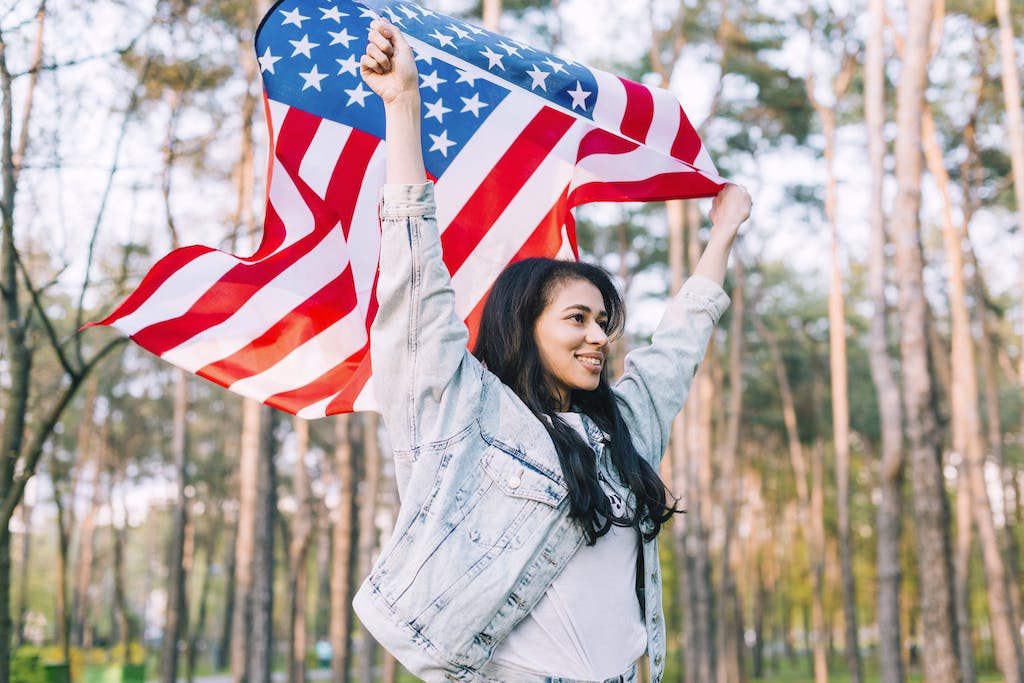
[584, 309]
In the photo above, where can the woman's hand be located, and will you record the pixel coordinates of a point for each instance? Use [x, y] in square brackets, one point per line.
[388, 66]
[729, 209]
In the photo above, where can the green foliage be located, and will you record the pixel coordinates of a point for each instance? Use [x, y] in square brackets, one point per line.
[26, 666]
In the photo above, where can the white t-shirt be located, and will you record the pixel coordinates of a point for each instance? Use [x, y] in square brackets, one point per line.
[588, 625]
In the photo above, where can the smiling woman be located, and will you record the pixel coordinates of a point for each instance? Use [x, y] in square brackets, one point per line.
[526, 544]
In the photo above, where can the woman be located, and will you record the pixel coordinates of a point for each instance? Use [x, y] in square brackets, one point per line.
[525, 548]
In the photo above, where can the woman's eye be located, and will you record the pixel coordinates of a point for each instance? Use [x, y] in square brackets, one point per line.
[577, 317]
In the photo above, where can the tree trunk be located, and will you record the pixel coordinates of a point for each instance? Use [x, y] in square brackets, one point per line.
[962, 569]
[176, 616]
[837, 364]
[1015, 130]
[730, 619]
[199, 627]
[931, 509]
[122, 613]
[245, 539]
[808, 519]
[343, 551]
[302, 528]
[967, 439]
[368, 536]
[322, 620]
[262, 623]
[492, 14]
[890, 412]
[62, 606]
[222, 653]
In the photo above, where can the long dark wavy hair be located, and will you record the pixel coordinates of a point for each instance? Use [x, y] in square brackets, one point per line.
[507, 346]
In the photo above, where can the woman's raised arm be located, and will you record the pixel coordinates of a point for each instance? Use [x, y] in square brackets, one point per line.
[389, 68]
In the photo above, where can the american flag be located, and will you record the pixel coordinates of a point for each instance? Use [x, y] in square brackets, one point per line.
[514, 138]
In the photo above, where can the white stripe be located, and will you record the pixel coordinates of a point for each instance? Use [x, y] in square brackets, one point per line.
[640, 164]
[520, 218]
[610, 107]
[665, 127]
[367, 398]
[477, 159]
[278, 110]
[308, 362]
[179, 292]
[706, 166]
[364, 234]
[290, 207]
[265, 308]
[318, 164]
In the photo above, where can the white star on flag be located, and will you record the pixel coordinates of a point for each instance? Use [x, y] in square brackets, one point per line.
[579, 97]
[493, 58]
[349, 65]
[303, 47]
[473, 105]
[510, 49]
[332, 13]
[465, 76]
[555, 66]
[431, 81]
[267, 61]
[293, 17]
[358, 94]
[341, 37]
[312, 78]
[441, 143]
[538, 77]
[411, 14]
[437, 110]
[442, 39]
[458, 31]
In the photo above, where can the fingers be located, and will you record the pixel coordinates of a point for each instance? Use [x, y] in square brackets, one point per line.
[381, 47]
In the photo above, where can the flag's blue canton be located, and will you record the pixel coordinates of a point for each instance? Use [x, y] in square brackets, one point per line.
[309, 55]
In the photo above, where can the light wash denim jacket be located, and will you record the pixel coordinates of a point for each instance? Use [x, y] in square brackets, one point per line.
[483, 527]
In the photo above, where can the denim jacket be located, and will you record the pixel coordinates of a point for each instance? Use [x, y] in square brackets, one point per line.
[483, 527]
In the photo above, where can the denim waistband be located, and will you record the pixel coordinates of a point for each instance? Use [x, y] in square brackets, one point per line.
[497, 673]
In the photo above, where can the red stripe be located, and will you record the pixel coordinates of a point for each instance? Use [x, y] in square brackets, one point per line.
[502, 184]
[545, 240]
[345, 400]
[657, 188]
[317, 313]
[342, 190]
[346, 377]
[599, 141]
[154, 280]
[636, 121]
[687, 144]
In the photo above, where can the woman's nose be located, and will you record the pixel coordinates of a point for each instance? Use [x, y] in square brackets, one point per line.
[597, 335]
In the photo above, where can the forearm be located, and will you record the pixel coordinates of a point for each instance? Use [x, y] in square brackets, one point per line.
[404, 153]
[715, 259]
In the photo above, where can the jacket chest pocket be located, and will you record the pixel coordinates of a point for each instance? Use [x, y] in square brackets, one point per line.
[514, 499]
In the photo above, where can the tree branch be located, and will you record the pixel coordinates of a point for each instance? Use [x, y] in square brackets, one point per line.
[51, 332]
[45, 429]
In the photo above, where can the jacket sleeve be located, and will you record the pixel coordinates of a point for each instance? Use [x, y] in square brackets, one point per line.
[657, 377]
[425, 379]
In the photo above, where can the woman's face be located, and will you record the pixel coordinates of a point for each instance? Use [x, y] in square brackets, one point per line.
[571, 338]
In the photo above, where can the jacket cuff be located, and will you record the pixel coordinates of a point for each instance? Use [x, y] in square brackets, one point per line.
[707, 294]
[399, 201]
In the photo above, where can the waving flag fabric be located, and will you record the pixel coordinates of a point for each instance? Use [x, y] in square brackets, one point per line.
[514, 138]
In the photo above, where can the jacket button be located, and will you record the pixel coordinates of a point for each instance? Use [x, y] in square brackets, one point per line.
[514, 482]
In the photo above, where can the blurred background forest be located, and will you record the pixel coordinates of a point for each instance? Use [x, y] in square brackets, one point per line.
[852, 455]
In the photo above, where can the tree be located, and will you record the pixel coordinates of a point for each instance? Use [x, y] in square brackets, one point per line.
[29, 329]
[931, 509]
